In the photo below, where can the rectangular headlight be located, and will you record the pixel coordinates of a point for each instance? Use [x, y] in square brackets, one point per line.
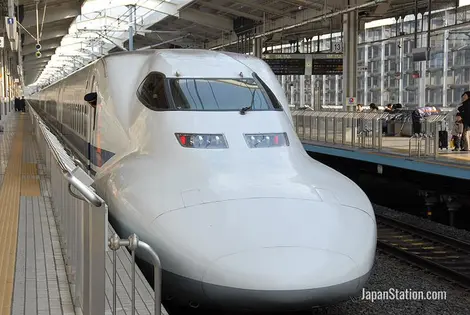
[202, 141]
[267, 140]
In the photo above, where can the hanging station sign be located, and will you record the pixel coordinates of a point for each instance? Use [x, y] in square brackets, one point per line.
[305, 64]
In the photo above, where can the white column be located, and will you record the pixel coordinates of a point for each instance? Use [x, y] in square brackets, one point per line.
[382, 69]
[445, 60]
[366, 72]
[350, 31]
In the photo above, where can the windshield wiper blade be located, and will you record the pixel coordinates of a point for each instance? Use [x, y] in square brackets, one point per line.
[245, 109]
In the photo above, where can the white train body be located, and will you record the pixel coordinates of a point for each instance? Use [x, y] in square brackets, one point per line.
[261, 228]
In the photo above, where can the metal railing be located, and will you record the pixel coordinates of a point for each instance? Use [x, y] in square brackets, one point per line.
[82, 221]
[377, 131]
[6, 107]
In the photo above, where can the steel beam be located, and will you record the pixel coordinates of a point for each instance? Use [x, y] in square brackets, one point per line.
[230, 10]
[207, 19]
[52, 15]
[48, 44]
[46, 35]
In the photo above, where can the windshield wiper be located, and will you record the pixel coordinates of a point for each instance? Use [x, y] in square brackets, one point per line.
[245, 109]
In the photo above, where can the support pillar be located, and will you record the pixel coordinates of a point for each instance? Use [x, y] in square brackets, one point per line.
[20, 62]
[366, 75]
[445, 61]
[257, 47]
[131, 27]
[350, 31]
[453, 205]
[384, 97]
[430, 200]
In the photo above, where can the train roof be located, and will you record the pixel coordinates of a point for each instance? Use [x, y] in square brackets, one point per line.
[185, 62]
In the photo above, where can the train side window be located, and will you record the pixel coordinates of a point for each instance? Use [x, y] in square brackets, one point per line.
[152, 92]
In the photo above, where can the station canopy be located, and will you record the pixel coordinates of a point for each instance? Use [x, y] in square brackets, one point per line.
[103, 25]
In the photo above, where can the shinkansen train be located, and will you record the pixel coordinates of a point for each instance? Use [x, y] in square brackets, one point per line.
[195, 151]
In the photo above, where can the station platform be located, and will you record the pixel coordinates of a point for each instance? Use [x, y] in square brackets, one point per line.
[34, 275]
[447, 163]
[382, 138]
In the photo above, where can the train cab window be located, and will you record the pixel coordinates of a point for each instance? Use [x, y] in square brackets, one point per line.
[218, 94]
[152, 92]
[276, 104]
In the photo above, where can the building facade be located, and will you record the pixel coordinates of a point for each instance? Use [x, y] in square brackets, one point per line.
[386, 70]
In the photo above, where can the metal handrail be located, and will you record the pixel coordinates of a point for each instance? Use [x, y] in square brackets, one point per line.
[85, 254]
[364, 129]
[65, 162]
[132, 243]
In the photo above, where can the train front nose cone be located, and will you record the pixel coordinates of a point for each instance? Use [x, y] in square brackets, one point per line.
[279, 276]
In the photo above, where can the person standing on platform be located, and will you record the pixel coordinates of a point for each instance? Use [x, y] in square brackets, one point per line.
[22, 104]
[17, 104]
[457, 131]
[464, 111]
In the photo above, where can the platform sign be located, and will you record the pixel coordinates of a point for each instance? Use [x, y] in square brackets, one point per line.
[11, 28]
[337, 47]
[305, 64]
[352, 101]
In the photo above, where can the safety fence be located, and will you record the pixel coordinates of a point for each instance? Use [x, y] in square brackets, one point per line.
[82, 220]
[379, 131]
[6, 107]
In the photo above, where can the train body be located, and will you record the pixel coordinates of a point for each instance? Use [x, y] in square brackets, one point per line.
[195, 151]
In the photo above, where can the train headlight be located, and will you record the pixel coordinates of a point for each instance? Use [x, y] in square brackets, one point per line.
[202, 141]
[266, 140]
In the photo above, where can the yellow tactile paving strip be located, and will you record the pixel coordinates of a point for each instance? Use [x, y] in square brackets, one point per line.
[457, 156]
[9, 209]
[29, 169]
[30, 186]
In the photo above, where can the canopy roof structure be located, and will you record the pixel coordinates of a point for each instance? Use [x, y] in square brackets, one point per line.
[101, 26]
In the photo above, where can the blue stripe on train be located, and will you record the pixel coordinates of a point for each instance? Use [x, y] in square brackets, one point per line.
[79, 144]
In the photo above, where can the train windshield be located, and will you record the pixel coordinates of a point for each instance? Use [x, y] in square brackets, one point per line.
[203, 94]
[220, 94]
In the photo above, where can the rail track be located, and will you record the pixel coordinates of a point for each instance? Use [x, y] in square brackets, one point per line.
[440, 254]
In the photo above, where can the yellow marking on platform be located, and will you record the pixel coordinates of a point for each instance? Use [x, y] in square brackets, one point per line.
[29, 169]
[30, 187]
[457, 156]
[9, 209]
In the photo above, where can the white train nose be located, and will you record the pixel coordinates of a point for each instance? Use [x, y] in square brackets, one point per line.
[281, 278]
[209, 232]
[281, 268]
